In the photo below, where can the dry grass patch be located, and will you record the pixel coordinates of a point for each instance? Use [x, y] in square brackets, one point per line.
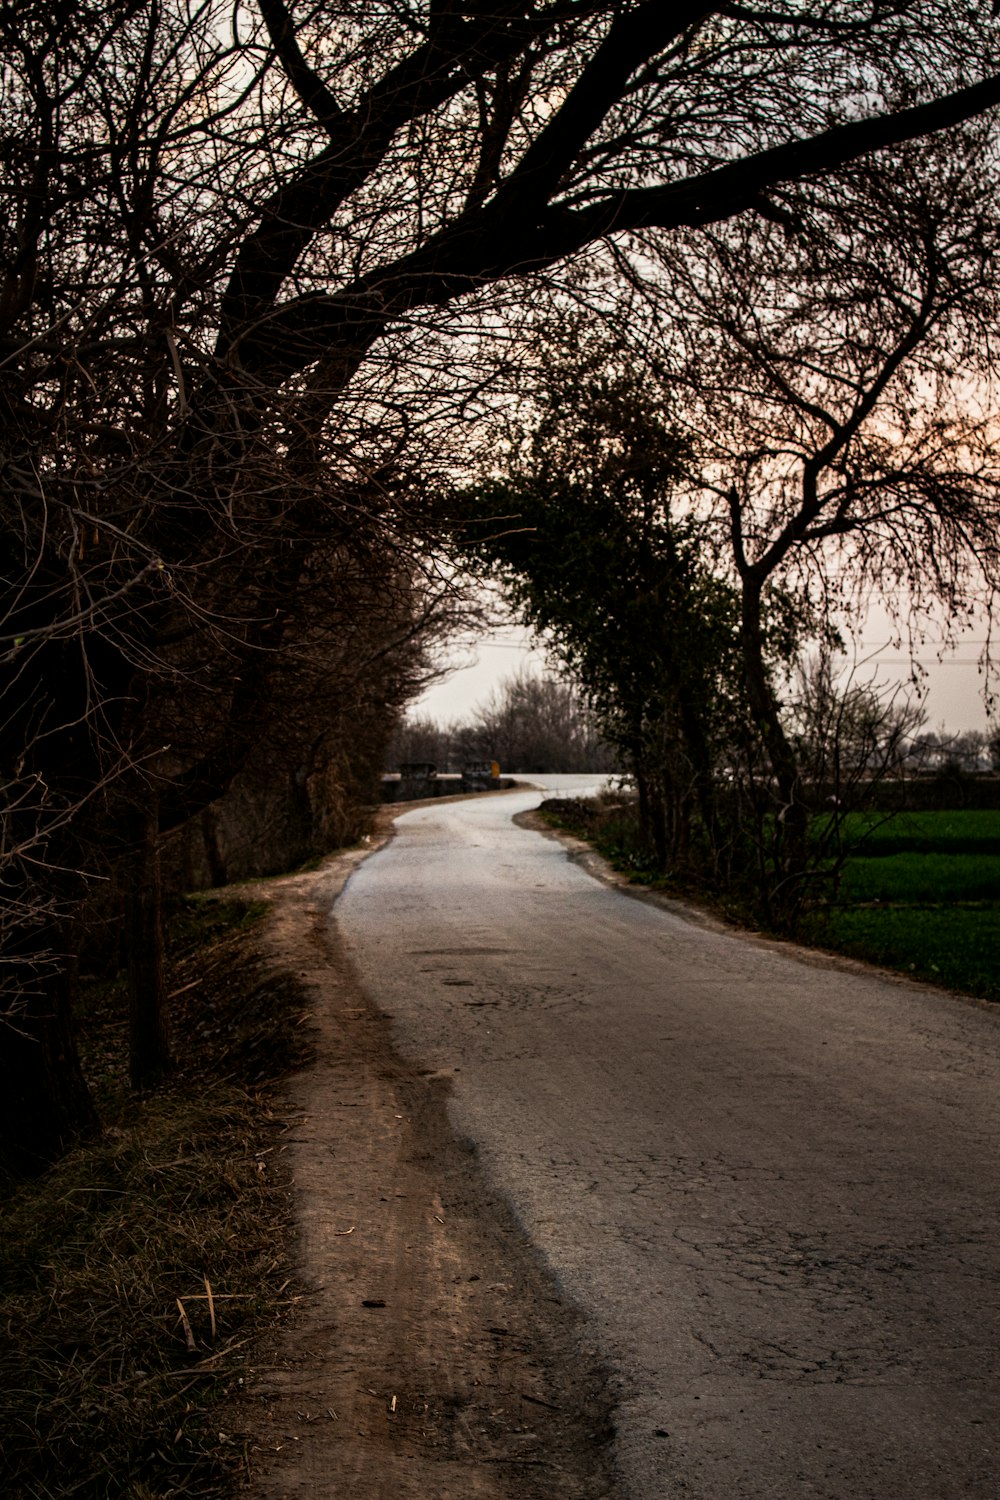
[138, 1270]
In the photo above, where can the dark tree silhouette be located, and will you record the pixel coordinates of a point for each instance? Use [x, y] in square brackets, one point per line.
[837, 375]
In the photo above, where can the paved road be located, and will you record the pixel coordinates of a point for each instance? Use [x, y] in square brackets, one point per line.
[771, 1184]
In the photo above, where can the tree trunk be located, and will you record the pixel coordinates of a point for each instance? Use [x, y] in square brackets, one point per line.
[45, 1103]
[656, 812]
[789, 837]
[217, 872]
[703, 769]
[642, 788]
[149, 1038]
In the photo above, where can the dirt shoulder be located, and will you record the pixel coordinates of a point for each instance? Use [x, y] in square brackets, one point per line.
[431, 1355]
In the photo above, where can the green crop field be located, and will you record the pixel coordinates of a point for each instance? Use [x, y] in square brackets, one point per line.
[922, 894]
[959, 832]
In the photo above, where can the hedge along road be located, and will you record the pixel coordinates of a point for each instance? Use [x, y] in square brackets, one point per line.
[768, 1179]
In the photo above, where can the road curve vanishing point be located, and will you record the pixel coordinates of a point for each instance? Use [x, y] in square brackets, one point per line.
[770, 1182]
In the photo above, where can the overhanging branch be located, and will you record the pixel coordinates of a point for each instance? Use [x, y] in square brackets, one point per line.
[720, 194]
[485, 246]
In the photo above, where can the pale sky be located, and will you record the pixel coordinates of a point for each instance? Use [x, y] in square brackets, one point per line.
[482, 665]
[955, 684]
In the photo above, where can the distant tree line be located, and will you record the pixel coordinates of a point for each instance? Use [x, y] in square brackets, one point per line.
[971, 752]
[530, 722]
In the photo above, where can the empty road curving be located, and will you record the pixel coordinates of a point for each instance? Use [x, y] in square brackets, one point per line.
[768, 1180]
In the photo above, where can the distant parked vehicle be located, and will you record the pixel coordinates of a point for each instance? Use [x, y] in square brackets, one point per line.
[488, 768]
[480, 775]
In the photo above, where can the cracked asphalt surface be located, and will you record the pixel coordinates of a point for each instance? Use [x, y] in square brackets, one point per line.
[769, 1180]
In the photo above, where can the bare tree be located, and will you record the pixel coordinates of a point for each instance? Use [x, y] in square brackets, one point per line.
[848, 731]
[837, 375]
[421, 740]
[538, 722]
